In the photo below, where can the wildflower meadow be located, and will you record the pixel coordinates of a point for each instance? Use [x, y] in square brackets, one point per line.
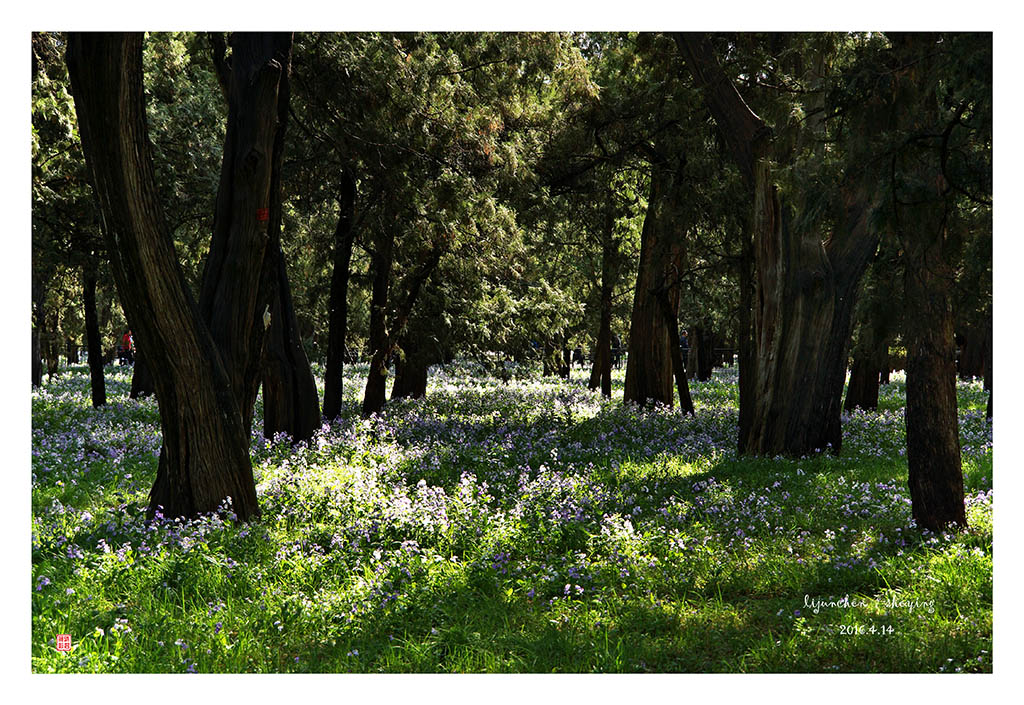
[515, 524]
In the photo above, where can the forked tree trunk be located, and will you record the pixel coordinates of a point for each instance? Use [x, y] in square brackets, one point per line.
[92, 337]
[344, 236]
[205, 454]
[804, 289]
[239, 271]
[649, 372]
[290, 403]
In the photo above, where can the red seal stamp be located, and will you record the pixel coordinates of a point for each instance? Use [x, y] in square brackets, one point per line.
[63, 642]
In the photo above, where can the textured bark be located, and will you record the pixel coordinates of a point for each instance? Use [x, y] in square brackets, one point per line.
[933, 441]
[671, 315]
[142, 378]
[204, 458]
[804, 289]
[649, 373]
[290, 403]
[98, 385]
[869, 356]
[344, 235]
[237, 276]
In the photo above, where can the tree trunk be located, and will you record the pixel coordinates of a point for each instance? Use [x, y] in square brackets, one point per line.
[290, 403]
[804, 289]
[92, 337]
[382, 340]
[344, 236]
[204, 458]
[239, 271]
[671, 315]
[649, 372]
[601, 373]
[411, 371]
[142, 379]
[930, 252]
[38, 301]
[376, 382]
[745, 337]
[866, 372]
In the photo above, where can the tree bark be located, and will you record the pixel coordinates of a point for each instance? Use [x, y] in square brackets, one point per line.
[92, 337]
[411, 370]
[290, 403]
[142, 378]
[204, 458]
[649, 372]
[601, 373]
[934, 468]
[239, 271]
[344, 236]
[804, 289]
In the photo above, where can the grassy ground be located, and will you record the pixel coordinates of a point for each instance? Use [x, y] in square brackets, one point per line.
[526, 526]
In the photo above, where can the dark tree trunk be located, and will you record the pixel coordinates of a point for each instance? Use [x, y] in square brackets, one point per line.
[649, 372]
[38, 300]
[205, 454]
[92, 337]
[290, 403]
[142, 379]
[601, 374]
[702, 350]
[930, 252]
[671, 315]
[745, 337]
[869, 357]
[239, 271]
[375, 393]
[804, 289]
[411, 371]
[383, 340]
[344, 235]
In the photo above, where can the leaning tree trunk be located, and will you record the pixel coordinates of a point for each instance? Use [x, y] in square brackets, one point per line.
[649, 372]
[92, 337]
[670, 310]
[344, 235]
[204, 459]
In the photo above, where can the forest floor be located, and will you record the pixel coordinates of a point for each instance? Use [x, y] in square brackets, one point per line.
[519, 526]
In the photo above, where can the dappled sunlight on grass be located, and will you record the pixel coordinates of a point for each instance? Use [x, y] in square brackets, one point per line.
[506, 525]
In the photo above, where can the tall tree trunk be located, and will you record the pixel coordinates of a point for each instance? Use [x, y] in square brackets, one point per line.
[930, 252]
[869, 356]
[601, 374]
[38, 317]
[344, 236]
[671, 314]
[649, 371]
[205, 454]
[92, 337]
[239, 271]
[804, 289]
[375, 392]
[745, 336]
[384, 338]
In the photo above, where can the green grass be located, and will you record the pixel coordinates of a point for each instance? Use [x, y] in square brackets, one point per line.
[520, 526]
